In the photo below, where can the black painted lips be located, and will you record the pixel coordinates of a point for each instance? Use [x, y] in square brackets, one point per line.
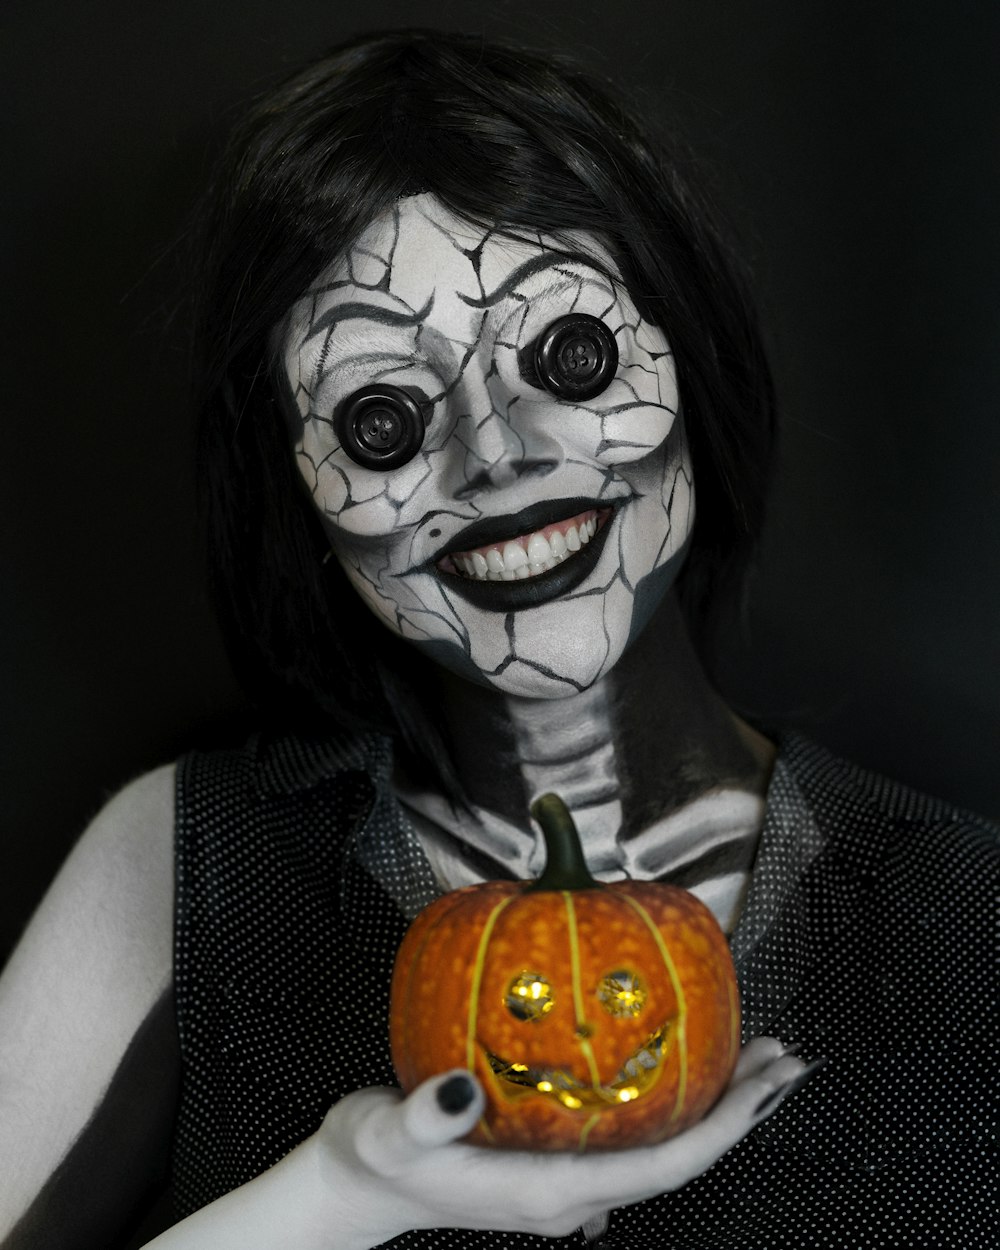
[528, 592]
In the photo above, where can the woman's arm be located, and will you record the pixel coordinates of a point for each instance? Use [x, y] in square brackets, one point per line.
[88, 1056]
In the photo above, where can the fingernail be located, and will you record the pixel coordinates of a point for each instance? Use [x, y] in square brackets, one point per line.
[455, 1094]
[768, 1104]
[793, 1049]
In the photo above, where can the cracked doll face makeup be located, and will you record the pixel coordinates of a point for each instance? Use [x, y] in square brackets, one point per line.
[483, 500]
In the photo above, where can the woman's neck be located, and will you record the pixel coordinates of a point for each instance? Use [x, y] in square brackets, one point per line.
[657, 771]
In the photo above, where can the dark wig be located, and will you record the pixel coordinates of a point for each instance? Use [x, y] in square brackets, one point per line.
[500, 136]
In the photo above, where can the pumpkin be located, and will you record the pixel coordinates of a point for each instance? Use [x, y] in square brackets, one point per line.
[595, 1016]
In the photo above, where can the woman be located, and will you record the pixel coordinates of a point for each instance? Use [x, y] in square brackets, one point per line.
[457, 550]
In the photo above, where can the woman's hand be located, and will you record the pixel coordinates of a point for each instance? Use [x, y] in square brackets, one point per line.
[382, 1164]
[397, 1163]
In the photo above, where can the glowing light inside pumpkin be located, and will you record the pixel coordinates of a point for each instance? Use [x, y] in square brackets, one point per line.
[529, 996]
[638, 1074]
[622, 994]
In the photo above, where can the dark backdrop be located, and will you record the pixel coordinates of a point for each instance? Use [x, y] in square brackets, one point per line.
[856, 147]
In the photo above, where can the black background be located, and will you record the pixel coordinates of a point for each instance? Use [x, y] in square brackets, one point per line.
[855, 146]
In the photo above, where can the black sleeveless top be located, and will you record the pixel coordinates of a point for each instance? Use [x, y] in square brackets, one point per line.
[869, 936]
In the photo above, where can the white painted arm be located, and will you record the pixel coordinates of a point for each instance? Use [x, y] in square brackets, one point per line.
[87, 1062]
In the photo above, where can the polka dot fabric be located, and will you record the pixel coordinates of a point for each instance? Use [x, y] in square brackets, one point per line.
[869, 937]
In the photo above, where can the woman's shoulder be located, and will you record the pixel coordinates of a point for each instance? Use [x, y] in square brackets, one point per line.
[918, 864]
[111, 904]
[840, 792]
[119, 873]
[136, 820]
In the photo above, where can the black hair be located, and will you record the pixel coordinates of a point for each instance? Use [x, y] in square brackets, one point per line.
[501, 136]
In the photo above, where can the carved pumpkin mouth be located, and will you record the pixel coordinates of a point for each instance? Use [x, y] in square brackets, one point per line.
[637, 1075]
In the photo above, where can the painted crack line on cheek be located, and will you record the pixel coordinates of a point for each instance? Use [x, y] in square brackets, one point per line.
[454, 623]
[617, 444]
[418, 626]
[383, 592]
[329, 465]
[650, 370]
[625, 384]
[300, 394]
[680, 474]
[617, 576]
[663, 378]
[606, 474]
[308, 470]
[621, 565]
[401, 501]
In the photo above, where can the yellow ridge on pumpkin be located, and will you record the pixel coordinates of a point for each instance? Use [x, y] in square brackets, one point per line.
[734, 1015]
[578, 1008]
[682, 1054]
[585, 1131]
[477, 981]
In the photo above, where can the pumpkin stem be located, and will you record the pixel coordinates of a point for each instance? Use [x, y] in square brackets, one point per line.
[565, 866]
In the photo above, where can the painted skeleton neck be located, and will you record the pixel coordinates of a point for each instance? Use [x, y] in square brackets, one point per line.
[663, 782]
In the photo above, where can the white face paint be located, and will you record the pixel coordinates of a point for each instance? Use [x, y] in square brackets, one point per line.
[452, 549]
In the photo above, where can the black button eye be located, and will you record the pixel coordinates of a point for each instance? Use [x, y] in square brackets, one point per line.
[576, 357]
[380, 426]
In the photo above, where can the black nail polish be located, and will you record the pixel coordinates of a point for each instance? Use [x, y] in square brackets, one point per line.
[455, 1094]
[768, 1104]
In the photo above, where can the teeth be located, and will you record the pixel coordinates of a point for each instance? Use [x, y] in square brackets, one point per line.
[514, 557]
[538, 549]
[525, 557]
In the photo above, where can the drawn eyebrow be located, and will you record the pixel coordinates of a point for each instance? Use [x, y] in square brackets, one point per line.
[369, 312]
[537, 264]
[375, 366]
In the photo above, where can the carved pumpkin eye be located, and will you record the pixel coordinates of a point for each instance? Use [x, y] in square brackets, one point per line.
[622, 994]
[576, 357]
[380, 426]
[529, 996]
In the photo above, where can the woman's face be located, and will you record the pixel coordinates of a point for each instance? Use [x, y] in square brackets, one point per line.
[529, 537]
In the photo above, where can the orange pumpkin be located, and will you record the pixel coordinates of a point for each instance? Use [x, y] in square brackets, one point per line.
[595, 1016]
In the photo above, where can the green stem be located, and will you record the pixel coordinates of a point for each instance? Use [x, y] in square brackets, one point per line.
[565, 865]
